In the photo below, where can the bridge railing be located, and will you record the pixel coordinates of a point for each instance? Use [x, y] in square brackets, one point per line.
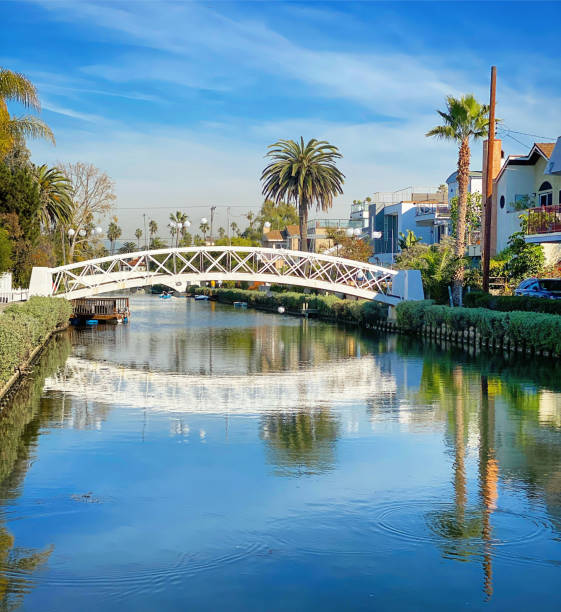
[181, 266]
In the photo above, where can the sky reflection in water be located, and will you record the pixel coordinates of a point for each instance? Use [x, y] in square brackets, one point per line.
[210, 457]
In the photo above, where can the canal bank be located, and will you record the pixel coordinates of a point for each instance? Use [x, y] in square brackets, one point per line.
[519, 331]
[25, 329]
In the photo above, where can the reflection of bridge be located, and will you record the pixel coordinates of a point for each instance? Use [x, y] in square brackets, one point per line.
[180, 267]
[340, 381]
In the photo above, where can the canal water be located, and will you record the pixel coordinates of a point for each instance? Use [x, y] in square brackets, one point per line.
[206, 458]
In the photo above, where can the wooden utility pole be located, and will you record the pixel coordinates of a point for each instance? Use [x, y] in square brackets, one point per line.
[486, 253]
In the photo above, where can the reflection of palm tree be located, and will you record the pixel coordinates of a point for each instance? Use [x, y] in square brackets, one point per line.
[301, 441]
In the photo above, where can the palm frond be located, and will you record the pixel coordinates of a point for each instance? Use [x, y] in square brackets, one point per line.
[29, 126]
[18, 88]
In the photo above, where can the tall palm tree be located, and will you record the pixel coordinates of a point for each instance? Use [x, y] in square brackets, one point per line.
[138, 236]
[55, 191]
[15, 87]
[303, 173]
[113, 233]
[175, 218]
[204, 227]
[464, 119]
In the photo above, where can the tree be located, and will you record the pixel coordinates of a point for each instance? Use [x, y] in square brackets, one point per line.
[186, 240]
[128, 247]
[437, 263]
[152, 229]
[408, 240]
[305, 174]
[92, 196]
[55, 195]
[350, 247]
[5, 251]
[235, 228]
[473, 213]
[524, 259]
[278, 215]
[221, 232]
[15, 87]
[175, 219]
[464, 119]
[204, 227]
[138, 236]
[157, 243]
[113, 233]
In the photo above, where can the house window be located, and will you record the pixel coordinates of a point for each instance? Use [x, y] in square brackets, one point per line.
[545, 194]
[502, 201]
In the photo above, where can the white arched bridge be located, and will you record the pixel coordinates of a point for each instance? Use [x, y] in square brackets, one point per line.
[178, 268]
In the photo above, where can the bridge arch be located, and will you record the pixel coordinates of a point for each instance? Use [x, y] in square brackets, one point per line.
[179, 268]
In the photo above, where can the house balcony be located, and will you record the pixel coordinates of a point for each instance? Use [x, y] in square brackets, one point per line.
[427, 213]
[544, 224]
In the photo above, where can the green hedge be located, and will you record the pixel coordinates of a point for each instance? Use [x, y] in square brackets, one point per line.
[536, 330]
[23, 327]
[510, 303]
[329, 306]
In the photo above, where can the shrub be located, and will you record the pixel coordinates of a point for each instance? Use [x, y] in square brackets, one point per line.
[510, 303]
[329, 306]
[539, 331]
[23, 327]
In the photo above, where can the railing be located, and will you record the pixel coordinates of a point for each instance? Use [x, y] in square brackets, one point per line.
[433, 208]
[16, 295]
[544, 220]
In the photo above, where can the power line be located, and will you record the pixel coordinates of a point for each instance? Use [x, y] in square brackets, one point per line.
[205, 206]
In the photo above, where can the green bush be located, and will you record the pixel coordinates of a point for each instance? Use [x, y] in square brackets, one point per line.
[24, 326]
[539, 331]
[510, 303]
[328, 306]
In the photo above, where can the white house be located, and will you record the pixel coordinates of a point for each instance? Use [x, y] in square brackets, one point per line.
[524, 187]
[475, 184]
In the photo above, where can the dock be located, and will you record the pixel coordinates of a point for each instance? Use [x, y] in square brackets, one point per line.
[106, 309]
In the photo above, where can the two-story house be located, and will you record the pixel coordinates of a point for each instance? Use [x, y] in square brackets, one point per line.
[525, 187]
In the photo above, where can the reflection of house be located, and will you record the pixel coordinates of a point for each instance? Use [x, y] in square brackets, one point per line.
[523, 187]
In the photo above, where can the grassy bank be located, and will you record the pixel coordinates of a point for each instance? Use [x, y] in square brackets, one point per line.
[329, 307]
[516, 330]
[24, 328]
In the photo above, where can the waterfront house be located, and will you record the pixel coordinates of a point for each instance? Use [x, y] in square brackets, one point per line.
[525, 186]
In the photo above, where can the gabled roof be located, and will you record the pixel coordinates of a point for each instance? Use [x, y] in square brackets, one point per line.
[472, 174]
[292, 230]
[272, 235]
[539, 150]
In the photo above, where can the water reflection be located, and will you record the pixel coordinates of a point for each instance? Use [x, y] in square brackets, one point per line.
[20, 425]
[263, 443]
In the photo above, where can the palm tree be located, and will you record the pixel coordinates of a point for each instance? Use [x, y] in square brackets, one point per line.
[464, 119]
[138, 236]
[204, 227]
[113, 233]
[55, 191]
[305, 174]
[235, 228]
[16, 87]
[175, 218]
[152, 228]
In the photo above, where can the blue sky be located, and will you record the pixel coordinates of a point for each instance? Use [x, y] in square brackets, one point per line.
[178, 101]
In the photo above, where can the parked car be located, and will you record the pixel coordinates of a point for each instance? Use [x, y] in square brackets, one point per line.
[540, 287]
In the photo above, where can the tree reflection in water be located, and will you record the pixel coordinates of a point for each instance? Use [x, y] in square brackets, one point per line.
[302, 441]
[20, 423]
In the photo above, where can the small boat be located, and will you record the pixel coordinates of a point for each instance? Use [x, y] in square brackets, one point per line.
[201, 297]
[165, 296]
[92, 322]
[240, 304]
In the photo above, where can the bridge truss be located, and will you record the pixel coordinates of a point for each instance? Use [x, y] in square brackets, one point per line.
[179, 268]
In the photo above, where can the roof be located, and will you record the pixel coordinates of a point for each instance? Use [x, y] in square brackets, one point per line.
[272, 235]
[546, 148]
[472, 174]
[539, 149]
[292, 230]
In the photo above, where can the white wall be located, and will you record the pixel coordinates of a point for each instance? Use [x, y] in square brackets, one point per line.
[514, 180]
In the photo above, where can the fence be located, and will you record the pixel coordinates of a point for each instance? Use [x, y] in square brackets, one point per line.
[15, 295]
[544, 220]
